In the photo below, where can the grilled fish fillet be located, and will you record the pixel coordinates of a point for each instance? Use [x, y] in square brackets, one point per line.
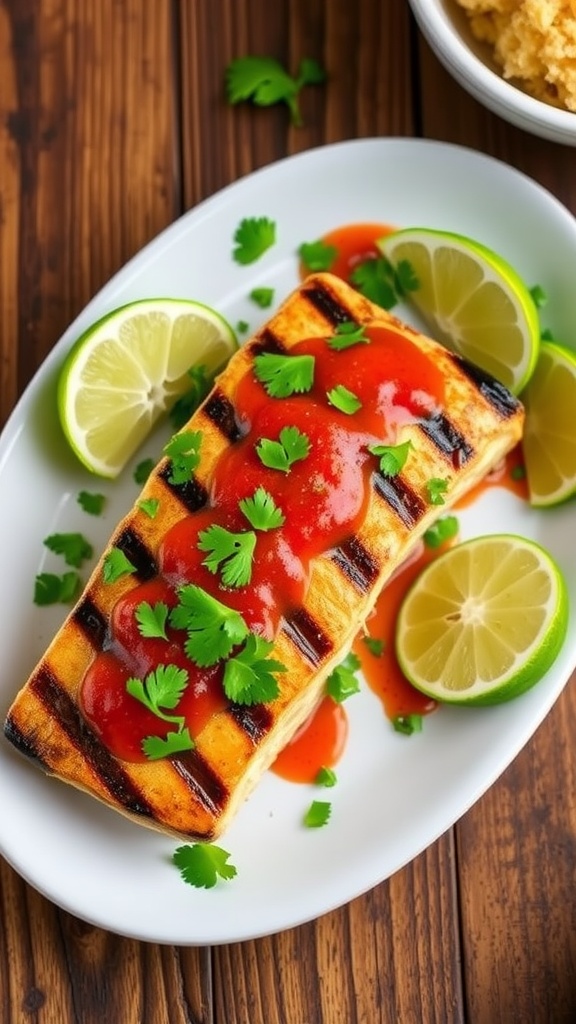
[197, 793]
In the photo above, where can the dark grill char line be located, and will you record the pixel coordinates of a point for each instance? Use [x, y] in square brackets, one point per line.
[492, 391]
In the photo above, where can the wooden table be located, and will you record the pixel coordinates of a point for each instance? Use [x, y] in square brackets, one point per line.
[113, 122]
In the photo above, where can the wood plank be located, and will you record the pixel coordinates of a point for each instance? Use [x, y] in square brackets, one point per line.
[90, 172]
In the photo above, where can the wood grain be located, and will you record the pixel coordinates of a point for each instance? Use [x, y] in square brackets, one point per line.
[113, 121]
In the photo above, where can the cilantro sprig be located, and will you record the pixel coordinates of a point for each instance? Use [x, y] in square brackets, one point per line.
[392, 457]
[252, 238]
[202, 864]
[91, 502]
[348, 334]
[292, 446]
[49, 588]
[379, 281]
[250, 676]
[200, 384]
[213, 629]
[264, 81]
[152, 619]
[445, 528]
[261, 510]
[72, 546]
[230, 553]
[317, 256]
[183, 450]
[342, 681]
[344, 400]
[115, 565]
[283, 376]
[436, 488]
[262, 297]
[161, 692]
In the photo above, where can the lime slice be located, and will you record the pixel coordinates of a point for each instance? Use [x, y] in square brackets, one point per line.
[483, 622]
[549, 440]
[127, 369]
[471, 300]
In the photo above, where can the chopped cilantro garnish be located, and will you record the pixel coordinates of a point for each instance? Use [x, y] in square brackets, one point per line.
[291, 446]
[73, 546]
[374, 278]
[264, 81]
[284, 375]
[546, 335]
[149, 506]
[183, 408]
[539, 296]
[91, 503]
[392, 456]
[231, 553]
[152, 619]
[184, 451]
[436, 489]
[375, 646]
[253, 236]
[115, 565]
[317, 256]
[407, 724]
[347, 334]
[143, 470]
[342, 682]
[442, 530]
[249, 676]
[326, 777]
[159, 692]
[155, 747]
[318, 814]
[344, 400]
[52, 589]
[213, 628]
[261, 510]
[202, 864]
[242, 326]
[263, 297]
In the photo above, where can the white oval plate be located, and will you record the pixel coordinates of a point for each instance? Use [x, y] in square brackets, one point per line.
[395, 794]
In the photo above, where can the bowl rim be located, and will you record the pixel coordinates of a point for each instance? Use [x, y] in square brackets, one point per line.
[492, 88]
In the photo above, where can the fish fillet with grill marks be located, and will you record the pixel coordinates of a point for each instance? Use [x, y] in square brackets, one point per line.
[197, 793]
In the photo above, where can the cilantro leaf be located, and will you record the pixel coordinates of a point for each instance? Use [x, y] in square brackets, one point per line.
[249, 677]
[213, 628]
[344, 400]
[326, 777]
[253, 236]
[374, 278]
[261, 510]
[232, 553]
[52, 589]
[442, 530]
[292, 446]
[242, 327]
[342, 682]
[149, 506]
[201, 864]
[161, 689]
[184, 451]
[156, 747]
[263, 297]
[436, 489]
[264, 81]
[407, 724]
[392, 456]
[375, 646]
[318, 814]
[151, 619]
[116, 565]
[143, 470]
[73, 546]
[405, 278]
[200, 385]
[347, 334]
[284, 375]
[317, 256]
[91, 503]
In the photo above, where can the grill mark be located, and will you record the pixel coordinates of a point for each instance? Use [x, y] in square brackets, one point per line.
[192, 494]
[63, 710]
[256, 720]
[219, 409]
[137, 552]
[356, 563]
[407, 505]
[302, 630]
[447, 438]
[200, 778]
[24, 744]
[267, 341]
[91, 621]
[325, 303]
[496, 394]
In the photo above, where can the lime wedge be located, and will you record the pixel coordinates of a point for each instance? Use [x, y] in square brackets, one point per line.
[549, 440]
[131, 366]
[483, 622]
[471, 300]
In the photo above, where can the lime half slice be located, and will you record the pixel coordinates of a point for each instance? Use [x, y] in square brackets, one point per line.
[549, 441]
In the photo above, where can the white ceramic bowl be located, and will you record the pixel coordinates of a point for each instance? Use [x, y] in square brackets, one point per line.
[446, 28]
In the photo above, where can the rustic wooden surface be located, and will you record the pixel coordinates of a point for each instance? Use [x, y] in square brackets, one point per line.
[112, 123]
